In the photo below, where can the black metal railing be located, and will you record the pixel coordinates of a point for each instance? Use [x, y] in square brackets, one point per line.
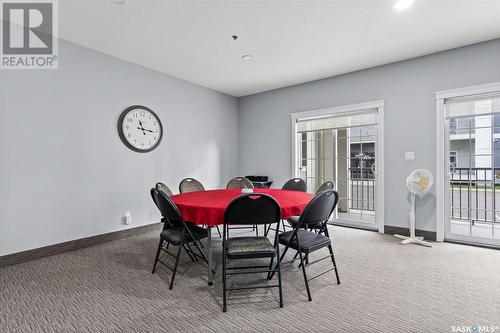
[362, 187]
[473, 194]
[362, 182]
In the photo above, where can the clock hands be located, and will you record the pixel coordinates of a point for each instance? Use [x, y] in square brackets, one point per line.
[143, 129]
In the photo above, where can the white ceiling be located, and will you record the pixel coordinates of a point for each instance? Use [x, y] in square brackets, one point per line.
[290, 41]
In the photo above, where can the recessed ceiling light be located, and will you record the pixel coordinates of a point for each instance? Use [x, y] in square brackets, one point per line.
[403, 4]
[246, 57]
[118, 2]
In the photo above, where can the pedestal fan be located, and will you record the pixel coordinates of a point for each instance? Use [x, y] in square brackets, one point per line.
[418, 182]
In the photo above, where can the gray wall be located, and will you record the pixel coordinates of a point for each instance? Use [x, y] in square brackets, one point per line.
[410, 116]
[64, 173]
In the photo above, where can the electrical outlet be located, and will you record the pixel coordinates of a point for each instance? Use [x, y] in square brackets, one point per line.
[127, 218]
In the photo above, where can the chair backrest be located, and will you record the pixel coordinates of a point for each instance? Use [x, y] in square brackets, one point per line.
[164, 188]
[190, 185]
[167, 208]
[295, 184]
[239, 183]
[252, 208]
[325, 186]
[320, 208]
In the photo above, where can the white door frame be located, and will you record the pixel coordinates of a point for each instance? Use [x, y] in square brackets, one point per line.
[379, 105]
[442, 167]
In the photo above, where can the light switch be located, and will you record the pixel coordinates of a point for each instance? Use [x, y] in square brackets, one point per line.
[409, 155]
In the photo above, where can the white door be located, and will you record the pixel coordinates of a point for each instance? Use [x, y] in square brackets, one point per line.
[472, 139]
[342, 148]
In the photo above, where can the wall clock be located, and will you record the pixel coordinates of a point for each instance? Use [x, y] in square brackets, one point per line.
[140, 128]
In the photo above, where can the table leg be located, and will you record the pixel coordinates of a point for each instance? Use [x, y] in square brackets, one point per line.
[209, 249]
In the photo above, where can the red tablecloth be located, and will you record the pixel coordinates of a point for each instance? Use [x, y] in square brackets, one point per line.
[208, 207]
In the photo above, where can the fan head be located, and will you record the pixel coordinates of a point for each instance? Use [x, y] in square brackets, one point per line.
[419, 181]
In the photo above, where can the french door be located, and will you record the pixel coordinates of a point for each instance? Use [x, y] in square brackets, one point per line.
[342, 147]
[472, 139]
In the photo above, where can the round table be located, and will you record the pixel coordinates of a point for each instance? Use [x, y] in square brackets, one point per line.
[208, 207]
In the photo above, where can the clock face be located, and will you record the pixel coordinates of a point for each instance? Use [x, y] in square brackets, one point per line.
[140, 128]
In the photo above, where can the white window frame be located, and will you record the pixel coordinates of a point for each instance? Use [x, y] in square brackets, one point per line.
[380, 106]
[442, 152]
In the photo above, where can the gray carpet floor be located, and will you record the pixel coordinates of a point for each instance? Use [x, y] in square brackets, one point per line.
[385, 287]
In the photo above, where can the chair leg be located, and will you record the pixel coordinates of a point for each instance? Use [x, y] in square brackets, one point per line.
[190, 249]
[189, 254]
[175, 267]
[257, 230]
[218, 230]
[271, 274]
[306, 259]
[327, 234]
[157, 255]
[224, 280]
[334, 265]
[305, 276]
[271, 265]
[278, 264]
[266, 230]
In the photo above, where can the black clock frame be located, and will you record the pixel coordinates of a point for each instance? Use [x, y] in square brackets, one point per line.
[122, 135]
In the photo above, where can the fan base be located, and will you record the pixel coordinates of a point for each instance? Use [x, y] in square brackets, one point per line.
[413, 240]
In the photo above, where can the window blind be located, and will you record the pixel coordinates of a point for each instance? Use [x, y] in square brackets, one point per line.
[470, 106]
[338, 121]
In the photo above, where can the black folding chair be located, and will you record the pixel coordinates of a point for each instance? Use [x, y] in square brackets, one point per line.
[292, 221]
[305, 242]
[176, 232]
[250, 209]
[239, 183]
[192, 185]
[164, 188]
[294, 184]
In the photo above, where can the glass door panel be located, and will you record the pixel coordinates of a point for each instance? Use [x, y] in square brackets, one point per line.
[346, 157]
[474, 176]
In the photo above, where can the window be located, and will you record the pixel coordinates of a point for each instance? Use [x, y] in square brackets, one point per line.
[453, 160]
